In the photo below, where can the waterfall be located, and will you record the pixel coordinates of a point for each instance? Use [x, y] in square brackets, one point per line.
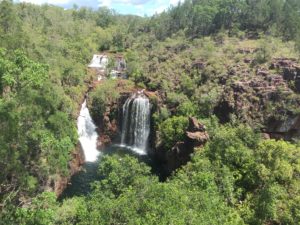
[87, 134]
[99, 61]
[136, 123]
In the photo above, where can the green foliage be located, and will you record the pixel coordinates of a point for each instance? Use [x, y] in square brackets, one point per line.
[138, 198]
[187, 85]
[160, 116]
[298, 43]
[201, 17]
[265, 51]
[208, 99]
[116, 179]
[134, 69]
[38, 133]
[262, 173]
[174, 99]
[102, 96]
[71, 211]
[237, 179]
[19, 73]
[41, 211]
[172, 130]
[105, 17]
[187, 108]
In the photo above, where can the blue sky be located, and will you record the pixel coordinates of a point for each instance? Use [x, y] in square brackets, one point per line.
[136, 7]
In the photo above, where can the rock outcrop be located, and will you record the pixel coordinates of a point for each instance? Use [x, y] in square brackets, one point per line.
[290, 70]
[287, 129]
[264, 96]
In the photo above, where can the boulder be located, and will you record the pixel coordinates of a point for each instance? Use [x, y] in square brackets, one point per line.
[287, 129]
[195, 125]
[197, 138]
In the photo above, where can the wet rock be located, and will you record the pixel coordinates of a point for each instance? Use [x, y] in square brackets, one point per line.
[103, 141]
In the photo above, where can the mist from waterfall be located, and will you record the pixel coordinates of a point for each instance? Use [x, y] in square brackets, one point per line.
[87, 134]
[136, 123]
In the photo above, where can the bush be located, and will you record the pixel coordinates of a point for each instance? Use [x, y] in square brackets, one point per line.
[187, 108]
[265, 51]
[172, 130]
[174, 99]
[103, 95]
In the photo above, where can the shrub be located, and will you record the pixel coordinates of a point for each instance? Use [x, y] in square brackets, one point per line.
[187, 108]
[103, 95]
[172, 130]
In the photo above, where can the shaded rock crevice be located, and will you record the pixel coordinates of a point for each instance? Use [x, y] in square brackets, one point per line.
[195, 138]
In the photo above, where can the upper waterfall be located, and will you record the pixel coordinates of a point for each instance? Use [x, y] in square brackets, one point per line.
[87, 134]
[99, 61]
[136, 123]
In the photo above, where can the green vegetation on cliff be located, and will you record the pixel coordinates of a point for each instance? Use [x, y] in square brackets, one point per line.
[232, 64]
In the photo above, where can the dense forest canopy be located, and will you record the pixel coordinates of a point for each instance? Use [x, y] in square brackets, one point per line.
[191, 56]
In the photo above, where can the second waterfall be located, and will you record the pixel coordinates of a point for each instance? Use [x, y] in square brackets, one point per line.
[136, 123]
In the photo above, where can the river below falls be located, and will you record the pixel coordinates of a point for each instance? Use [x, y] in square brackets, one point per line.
[80, 182]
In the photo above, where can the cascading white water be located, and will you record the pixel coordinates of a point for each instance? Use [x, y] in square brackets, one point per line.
[87, 134]
[136, 123]
[99, 61]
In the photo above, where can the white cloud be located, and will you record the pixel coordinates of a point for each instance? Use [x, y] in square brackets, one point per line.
[106, 3]
[137, 7]
[54, 2]
[174, 2]
[129, 2]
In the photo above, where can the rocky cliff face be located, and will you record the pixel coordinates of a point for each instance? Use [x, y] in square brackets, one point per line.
[108, 124]
[58, 183]
[290, 71]
[195, 138]
[265, 98]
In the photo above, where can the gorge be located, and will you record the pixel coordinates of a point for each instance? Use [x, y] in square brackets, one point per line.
[189, 116]
[133, 141]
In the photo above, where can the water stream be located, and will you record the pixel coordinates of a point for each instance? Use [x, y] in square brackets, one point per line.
[87, 134]
[136, 123]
